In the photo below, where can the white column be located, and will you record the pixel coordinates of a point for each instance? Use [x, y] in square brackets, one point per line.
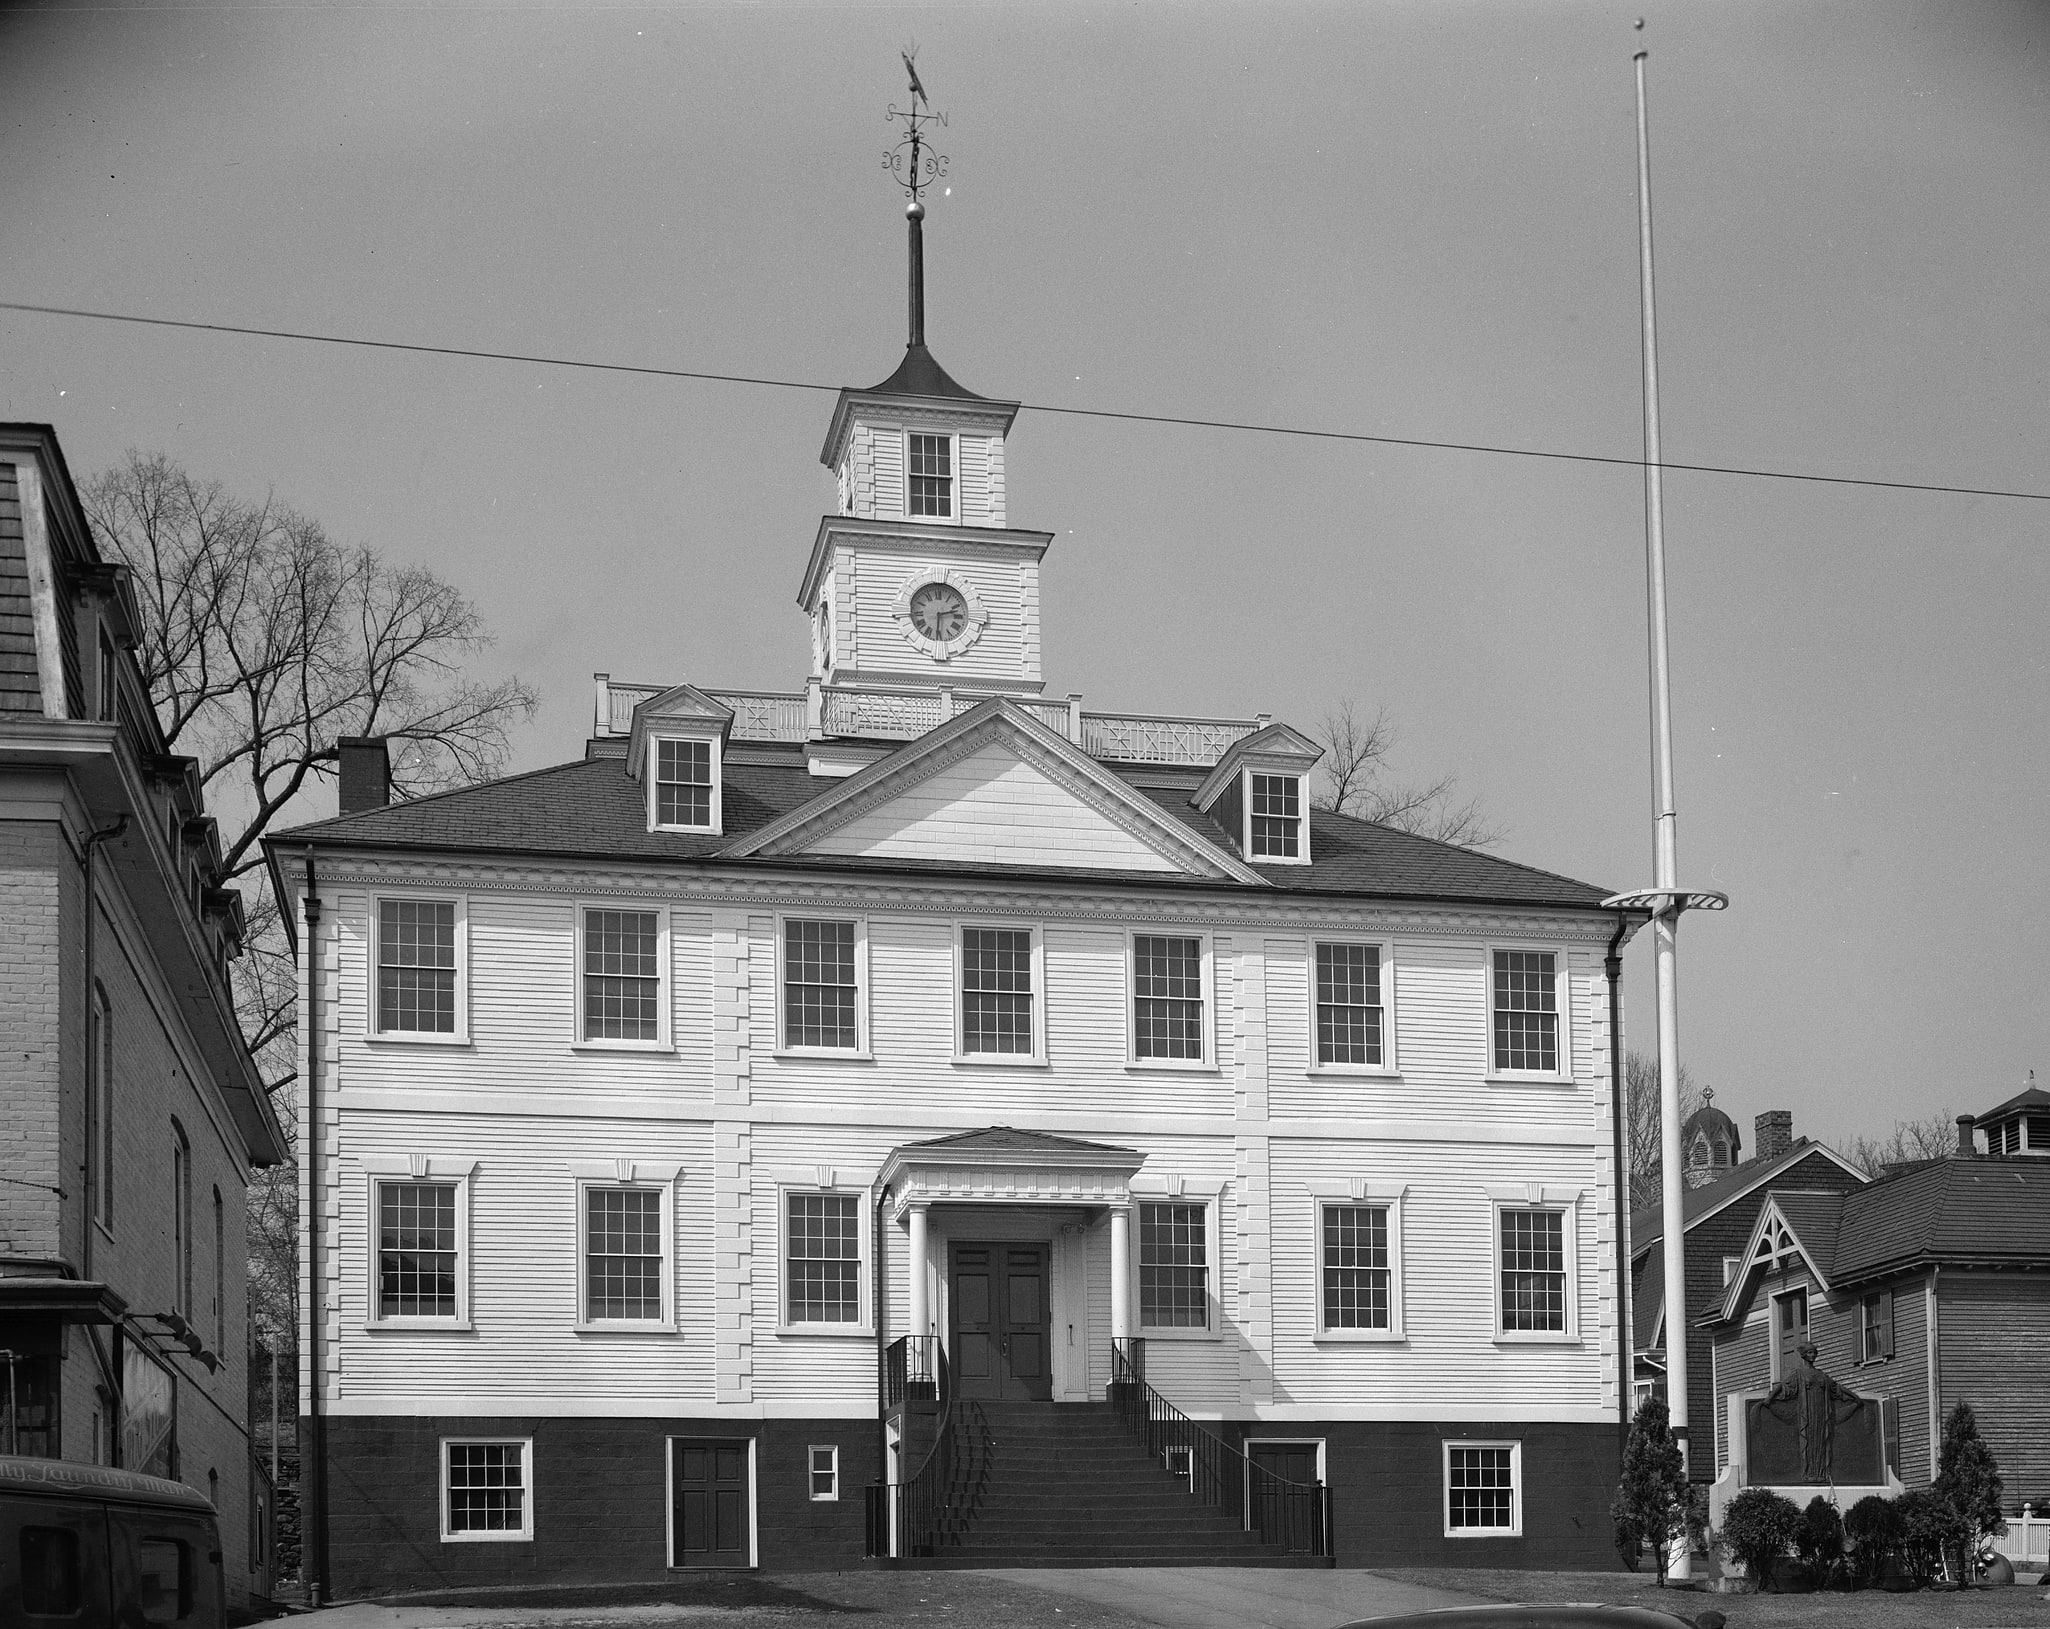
[1120, 1273]
[921, 1311]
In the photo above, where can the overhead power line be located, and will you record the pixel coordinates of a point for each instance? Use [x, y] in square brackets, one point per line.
[1247, 426]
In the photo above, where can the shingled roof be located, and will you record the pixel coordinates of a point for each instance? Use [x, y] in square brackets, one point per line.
[1648, 1226]
[592, 809]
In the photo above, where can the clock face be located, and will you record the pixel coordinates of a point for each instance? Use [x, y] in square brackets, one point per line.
[939, 612]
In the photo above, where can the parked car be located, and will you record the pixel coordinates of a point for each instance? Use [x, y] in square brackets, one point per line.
[1560, 1615]
[82, 1544]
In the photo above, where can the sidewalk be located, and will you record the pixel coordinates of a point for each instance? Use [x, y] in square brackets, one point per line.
[1238, 1597]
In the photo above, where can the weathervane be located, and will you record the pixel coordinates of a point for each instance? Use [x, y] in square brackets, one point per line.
[912, 161]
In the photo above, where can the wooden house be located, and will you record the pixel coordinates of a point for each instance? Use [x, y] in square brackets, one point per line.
[708, 1138]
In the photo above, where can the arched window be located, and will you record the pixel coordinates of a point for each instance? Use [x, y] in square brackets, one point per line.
[181, 1222]
[99, 1108]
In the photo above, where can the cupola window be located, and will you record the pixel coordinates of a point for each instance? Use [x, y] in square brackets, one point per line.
[683, 784]
[932, 475]
[1277, 817]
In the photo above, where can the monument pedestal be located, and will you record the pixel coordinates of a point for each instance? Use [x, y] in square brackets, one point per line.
[1766, 1451]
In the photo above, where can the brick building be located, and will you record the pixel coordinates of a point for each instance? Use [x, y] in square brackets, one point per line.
[133, 1113]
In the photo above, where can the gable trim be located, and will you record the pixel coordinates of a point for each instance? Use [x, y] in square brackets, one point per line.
[961, 737]
[1639, 1248]
[1739, 1291]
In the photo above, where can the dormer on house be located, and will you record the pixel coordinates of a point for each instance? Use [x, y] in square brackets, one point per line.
[1260, 794]
[676, 748]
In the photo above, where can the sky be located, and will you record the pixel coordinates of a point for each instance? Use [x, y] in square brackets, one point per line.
[1393, 219]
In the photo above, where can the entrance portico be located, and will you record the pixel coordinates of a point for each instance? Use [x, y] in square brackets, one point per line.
[1008, 1232]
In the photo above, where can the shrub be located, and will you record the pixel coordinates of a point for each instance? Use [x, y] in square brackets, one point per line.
[1873, 1527]
[1758, 1528]
[1931, 1529]
[1968, 1477]
[1651, 1499]
[1820, 1539]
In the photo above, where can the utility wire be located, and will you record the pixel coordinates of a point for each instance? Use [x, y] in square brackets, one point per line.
[1030, 407]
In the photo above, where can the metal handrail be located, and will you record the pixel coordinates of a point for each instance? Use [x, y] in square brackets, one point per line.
[911, 1361]
[1295, 1515]
[937, 1504]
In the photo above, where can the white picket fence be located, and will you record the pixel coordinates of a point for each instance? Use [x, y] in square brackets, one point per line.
[2027, 1538]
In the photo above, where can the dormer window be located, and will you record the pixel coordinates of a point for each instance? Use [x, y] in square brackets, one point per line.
[932, 475]
[683, 784]
[1275, 817]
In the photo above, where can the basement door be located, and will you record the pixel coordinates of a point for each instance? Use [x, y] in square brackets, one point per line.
[1000, 1319]
[712, 1509]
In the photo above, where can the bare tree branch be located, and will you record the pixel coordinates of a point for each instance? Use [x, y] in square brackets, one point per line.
[1933, 1137]
[1355, 767]
[1641, 1122]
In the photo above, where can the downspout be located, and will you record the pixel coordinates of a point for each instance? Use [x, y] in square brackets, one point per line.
[93, 839]
[882, 1349]
[1612, 965]
[312, 1452]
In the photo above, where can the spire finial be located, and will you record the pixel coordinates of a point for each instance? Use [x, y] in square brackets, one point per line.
[916, 166]
[1707, 1096]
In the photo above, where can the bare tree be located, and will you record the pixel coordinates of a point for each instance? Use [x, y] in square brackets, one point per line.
[1356, 783]
[263, 641]
[1933, 1137]
[1641, 1122]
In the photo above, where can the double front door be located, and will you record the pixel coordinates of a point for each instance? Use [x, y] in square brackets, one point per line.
[1000, 1318]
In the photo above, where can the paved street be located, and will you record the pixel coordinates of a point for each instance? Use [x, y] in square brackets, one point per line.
[1077, 1598]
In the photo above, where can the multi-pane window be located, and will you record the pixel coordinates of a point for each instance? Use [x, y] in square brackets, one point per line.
[1349, 1004]
[416, 965]
[823, 1267]
[1174, 1267]
[932, 475]
[622, 982]
[996, 990]
[1277, 816]
[683, 783]
[1533, 1271]
[486, 1490]
[819, 992]
[1480, 1487]
[1875, 1328]
[825, 1472]
[1167, 997]
[417, 1250]
[1526, 1011]
[622, 1254]
[1356, 1272]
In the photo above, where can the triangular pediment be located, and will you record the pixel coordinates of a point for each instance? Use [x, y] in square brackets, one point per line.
[682, 707]
[995, 787]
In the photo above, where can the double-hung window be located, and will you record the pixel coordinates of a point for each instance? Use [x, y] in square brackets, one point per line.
[824, 1470]
[1875, 1327]
[1274, 816]
[1483, 1489]
[821, 1260]
[420, 1247]
[620, 976]
[420, 966]
[1525, 1006]
[1170, 1008]
[1534, 1270]
[625, 1256]
[1358, 1275]
[1351, 1007]
[1000, 1015]
[1174, 1265]
[684, 787]
[931, 474]
[487, 1489]
[823, 971]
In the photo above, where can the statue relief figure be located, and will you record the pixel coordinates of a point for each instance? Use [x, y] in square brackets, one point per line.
[1818, 1406]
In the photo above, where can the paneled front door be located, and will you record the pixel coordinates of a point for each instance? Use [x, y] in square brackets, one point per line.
[1000, 1319]
[712, 1502]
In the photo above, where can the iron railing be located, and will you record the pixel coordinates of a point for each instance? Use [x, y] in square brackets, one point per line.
[933, 1508]
[911, 1369]
[1294, 1515]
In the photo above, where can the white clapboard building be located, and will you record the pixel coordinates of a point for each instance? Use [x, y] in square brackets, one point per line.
[921, 1117]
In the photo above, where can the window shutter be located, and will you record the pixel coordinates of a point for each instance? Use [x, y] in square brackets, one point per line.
[1886, 1323]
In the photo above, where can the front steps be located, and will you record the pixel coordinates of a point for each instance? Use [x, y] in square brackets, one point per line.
[1069, 1488]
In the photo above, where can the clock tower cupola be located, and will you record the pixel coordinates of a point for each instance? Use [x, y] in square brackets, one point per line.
[918, 580]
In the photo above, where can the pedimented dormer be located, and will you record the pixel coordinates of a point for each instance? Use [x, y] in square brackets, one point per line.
[677, 752]
[1260, 793]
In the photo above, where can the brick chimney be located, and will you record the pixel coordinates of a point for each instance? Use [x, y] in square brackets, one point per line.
[1772, 1134]
[1967, 1141]
[366, 773]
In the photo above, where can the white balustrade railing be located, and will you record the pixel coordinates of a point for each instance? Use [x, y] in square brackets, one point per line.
[1133, 738]
[897, 714]
[763, 715]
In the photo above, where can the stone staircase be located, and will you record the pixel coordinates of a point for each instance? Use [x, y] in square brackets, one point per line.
[1070, 1488]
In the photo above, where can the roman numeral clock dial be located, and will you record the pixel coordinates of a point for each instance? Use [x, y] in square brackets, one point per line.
[939, 612]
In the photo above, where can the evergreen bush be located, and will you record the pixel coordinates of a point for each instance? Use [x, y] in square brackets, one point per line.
[1820, 1539]
[1759, 1527]
[1873, 1527]
[1968, 1477]
[1931, 1529]
[1651, 1502]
